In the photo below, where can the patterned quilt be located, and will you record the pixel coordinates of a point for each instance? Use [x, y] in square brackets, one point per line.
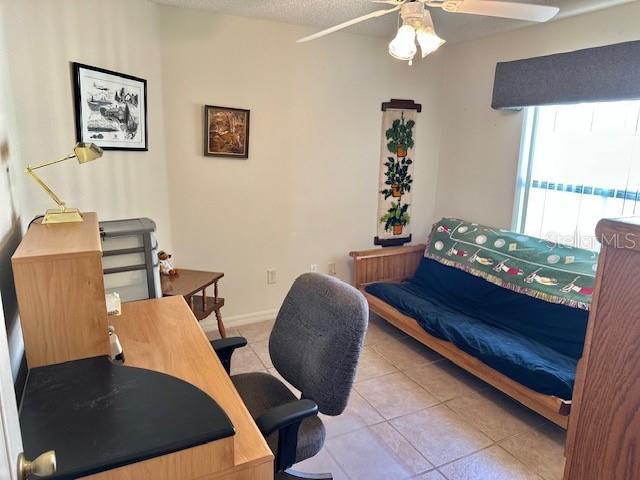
[540, 268]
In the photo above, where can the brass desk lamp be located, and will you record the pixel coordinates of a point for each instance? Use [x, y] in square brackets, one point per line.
[84, 152]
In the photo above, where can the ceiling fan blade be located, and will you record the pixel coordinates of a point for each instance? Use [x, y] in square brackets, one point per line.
[377, 13]
[490, 8]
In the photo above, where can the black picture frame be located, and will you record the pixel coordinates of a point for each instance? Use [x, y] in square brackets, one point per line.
[209, 150]
[106, 136]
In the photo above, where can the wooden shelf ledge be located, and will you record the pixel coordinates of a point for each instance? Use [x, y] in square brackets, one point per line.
[213, 304]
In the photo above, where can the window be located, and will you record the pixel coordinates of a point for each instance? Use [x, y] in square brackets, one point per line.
[578, 164]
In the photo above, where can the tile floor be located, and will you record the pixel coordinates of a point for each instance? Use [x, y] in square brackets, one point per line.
[414, 415]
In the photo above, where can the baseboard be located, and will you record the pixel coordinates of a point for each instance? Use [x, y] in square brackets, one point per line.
[210, 324]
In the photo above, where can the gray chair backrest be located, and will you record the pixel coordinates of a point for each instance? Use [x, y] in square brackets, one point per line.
[317, 338]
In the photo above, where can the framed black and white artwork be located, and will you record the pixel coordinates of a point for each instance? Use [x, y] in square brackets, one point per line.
[110, 108]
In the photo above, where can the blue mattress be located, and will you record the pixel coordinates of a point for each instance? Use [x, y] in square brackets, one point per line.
[531, 341]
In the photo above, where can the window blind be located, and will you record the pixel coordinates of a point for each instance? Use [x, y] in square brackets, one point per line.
[583, 164]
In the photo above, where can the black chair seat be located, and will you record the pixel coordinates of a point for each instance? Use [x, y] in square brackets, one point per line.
[260, 392]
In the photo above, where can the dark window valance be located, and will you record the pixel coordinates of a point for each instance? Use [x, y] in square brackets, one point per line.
[598, 74]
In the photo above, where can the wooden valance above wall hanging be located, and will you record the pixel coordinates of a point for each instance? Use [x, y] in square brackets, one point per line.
[600, 74]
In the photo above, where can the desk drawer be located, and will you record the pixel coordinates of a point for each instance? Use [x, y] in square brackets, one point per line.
[123, 260]
[131, 286]
[110, 244]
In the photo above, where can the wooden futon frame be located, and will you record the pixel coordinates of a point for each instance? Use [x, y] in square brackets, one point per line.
[399, 264]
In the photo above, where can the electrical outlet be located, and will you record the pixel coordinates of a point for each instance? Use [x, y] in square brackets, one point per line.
[331, 268]
[271, 276]
[314, 267]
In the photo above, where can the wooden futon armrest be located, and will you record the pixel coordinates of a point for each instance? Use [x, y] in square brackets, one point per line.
[386, 264]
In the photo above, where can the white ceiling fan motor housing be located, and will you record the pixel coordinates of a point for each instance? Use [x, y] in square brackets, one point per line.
[413, 13]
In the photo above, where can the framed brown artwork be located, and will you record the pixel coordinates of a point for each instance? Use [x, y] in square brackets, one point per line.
[226, 132]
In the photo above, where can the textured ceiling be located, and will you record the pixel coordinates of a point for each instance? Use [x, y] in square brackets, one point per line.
[324, 13]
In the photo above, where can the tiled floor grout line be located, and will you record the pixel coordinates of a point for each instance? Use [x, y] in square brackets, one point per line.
[440, 402]
[442, 473]
[438, 467]
[389, 420]
[357, 429]
[394, 428]
[415, 448]
[434, 469]
[428, 362]
[339, 464]
[530, 467]
[452, 461]
[259, 359]
[493, 444]
[385, 419]
[355, 384]
[497, 443]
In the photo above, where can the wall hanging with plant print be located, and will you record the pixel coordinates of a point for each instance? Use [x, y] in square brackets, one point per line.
[396, 172]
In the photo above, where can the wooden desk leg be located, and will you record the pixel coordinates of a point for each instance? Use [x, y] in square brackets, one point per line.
[204, 299]
[221, 329]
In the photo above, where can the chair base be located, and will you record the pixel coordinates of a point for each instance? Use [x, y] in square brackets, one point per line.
[293, 475]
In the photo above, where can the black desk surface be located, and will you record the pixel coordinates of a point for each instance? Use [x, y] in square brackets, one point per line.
[98, 416]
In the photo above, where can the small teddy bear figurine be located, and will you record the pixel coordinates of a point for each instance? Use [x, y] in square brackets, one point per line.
[165, 264]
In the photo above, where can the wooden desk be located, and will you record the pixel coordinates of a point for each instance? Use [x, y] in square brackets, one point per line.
[163, 335]
[60, 289]
[190, 282]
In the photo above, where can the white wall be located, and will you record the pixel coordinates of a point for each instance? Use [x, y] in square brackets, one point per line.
[42, 38]
[479, 147]
[307, 193]
[10, 220]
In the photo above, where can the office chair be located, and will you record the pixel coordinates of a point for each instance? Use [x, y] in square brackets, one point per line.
[315, 345]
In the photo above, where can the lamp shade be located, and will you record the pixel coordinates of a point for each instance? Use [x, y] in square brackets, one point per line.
[87, 152]
[428, 40]
[403, 46]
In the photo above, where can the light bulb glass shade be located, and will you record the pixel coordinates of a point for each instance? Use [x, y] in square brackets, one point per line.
[87, 152]
[403, 46]
[428, 40]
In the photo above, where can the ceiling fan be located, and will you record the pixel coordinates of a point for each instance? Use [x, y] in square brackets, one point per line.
[418, 25]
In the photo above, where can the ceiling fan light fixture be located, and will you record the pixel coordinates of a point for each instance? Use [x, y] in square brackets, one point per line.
[428, 40]
[403, 46]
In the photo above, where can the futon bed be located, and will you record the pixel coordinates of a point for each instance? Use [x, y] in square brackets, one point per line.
[509, 308]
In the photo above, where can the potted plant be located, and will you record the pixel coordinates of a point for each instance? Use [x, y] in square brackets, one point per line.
[403, 179]
[398, 178]
[394, 179]
[395, 218]
[400, 136]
